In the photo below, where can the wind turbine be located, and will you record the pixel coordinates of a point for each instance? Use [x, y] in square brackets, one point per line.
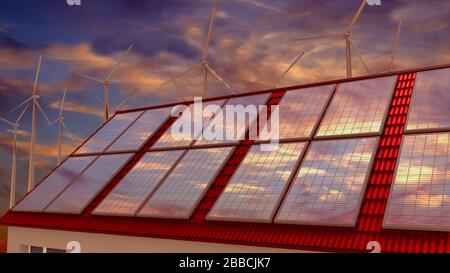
[395, 45]
[125, 100]
[33, 100]
[107, 82]
[180, 97]
[112, 111]
[206, 68]
[289, 68]
[349, 43]
[61, 126]
[15, 127]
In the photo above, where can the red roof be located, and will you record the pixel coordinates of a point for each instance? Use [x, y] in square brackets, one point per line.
[319, 238]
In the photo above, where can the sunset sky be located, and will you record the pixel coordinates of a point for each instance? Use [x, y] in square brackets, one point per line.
[252, 44]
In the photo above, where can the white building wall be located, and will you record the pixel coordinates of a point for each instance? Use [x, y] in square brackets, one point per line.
[19, 238]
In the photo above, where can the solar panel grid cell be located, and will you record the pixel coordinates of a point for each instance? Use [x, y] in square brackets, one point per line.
[83, 190]
[239, 123]
[107, 134]
[55, 183]
[140, 131]
[300, 112]
[330, 184]
[420, 194]
[430, 102]
[127, 197]
[174, 138]
[255, 190]
[358, 108]
[181, 191]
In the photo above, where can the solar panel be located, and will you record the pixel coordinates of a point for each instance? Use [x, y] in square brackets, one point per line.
[136, 136]
[420, 194]
[183, 189]
[129, 195]
[256, 189]
[238, 125]
[184, 139]
[54, 184]
[358, 107]
[330, 184]
[106, 135]
[430, 101]
[84, 189]
[301, 110]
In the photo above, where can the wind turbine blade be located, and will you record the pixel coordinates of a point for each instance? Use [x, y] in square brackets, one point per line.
[21, 114]
[210, 30]
[51, 123]
[336, 35]
[20, 105]
[99, 100]
[290, 66]
[90, 78]
[176, 85]
[180, 75]
[119, 62]
[125, 100]
[37, 75]
[67, 131]
[395, 46]
[220, 79]
[6, 121]
[355, 18]
[358, 53]
[62, 103]
[42, 111]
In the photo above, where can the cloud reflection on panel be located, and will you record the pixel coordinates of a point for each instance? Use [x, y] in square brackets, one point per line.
[257, 187]
[137, 135]
[358, 107]
[301, 110]
[183, 189]
[241, 120]
[107, 134]
[420, 195]
[129, 195]
[180, 137]
[430, 101]
[329, 186]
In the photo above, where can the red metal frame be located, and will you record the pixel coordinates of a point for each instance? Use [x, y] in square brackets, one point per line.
[321, 238]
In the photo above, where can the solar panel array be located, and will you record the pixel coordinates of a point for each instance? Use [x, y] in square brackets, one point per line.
[128, 196]
[232, 129]
[181, 191]
[75, 198]
[420, 194]
[256, 188]
[430, 102]
[330, 184]
[176, 136]
[135, 137]
[300, 112]
[358, 108]
[56, 182]
[107, 134]
[328, 139]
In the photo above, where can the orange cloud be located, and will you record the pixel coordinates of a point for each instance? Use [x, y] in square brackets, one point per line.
[78, 108]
